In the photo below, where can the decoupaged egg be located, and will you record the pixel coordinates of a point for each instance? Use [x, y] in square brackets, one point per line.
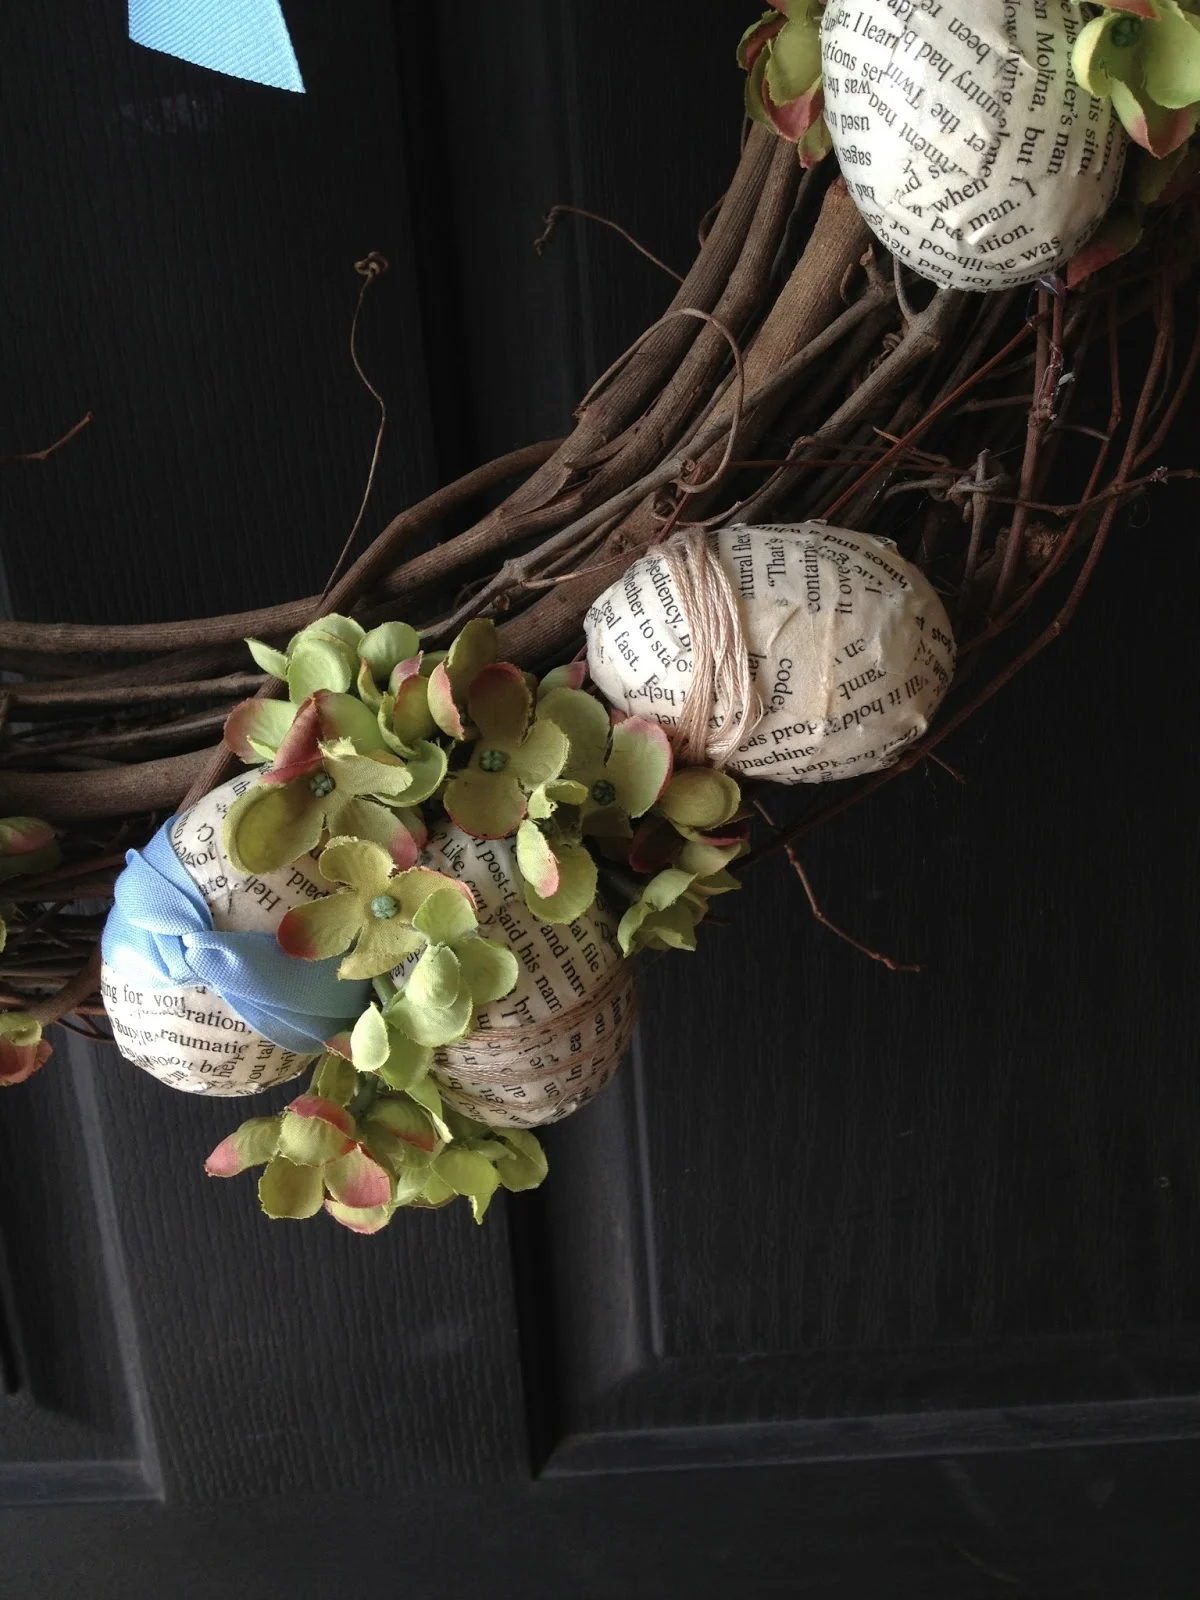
[970, 148]
[189, 1037]
[547, 1048]
[850, 648]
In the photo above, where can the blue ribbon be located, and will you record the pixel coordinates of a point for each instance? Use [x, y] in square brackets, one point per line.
[244, 38]
[160, 933]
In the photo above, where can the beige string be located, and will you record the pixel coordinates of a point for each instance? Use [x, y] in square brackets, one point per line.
[721, 675]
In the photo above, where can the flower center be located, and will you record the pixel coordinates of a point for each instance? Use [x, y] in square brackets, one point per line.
[1125, 30]
[320, 784]
[383, 908]
[603, 792]
[493, 760]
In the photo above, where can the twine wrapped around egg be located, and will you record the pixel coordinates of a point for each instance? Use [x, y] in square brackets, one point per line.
[551, 1045]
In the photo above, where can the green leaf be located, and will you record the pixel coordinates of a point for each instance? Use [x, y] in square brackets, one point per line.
[370, 1041]
[445, 917]
[270, 660]
[360, 1221]
[489, 969]
[381, 775]
[437, 1192]
[287, 1190]
[525, 1166]
[385, 646]
[576, 890]
[272, 825]
[318, 661]
[405, 1126]
[700, 797]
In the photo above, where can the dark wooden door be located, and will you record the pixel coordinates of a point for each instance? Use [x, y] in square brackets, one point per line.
[853, 1283]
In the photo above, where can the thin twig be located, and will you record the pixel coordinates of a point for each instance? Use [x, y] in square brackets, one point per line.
[551, 221]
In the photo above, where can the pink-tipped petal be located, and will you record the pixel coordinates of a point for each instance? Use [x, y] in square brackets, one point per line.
[357, 1180]
[20, 1061]
[442, 706]
[299, 751]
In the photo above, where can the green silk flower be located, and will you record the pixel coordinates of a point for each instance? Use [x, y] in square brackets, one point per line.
[669, 909]
[781, 56]
[325, 655]
[450, 681]
[514, 754]
[458, 970]
[331, 773]
[375, 910]
[27, 845]
[1145, 55]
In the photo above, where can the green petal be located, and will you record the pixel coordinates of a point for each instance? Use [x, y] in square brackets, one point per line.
[489, 969]
[427, 1097]
[248, 1146]
[286, 1190]
[360, 1221]
[382, 944]
[407, 1062]
[344, 629]
[1159, 131]
[706, 859]
[469, 1174]
[436, 1193]
[368, 689]
[270, 660]
[322, 928]
[525, 1165]
[407, 716]
[473, 649]
[536, 860]
[365, 866]
[365, 819]
[429, 1026]
[1171, 57]
[700, 797]
[640, 764]
[540, 756]
[499, 704]
[445, 917]
[272, 825]
[344, 717]
[255, 729]
[427, 764]
[412, 889]
[488, 805]
[370, 1041]
[335, 1078]
[314, 1131]
[357, 1180]
[666, 887]
[405, 1130]
[386, 645]
[436, 980]
[547, 797]
[576, 887]
[383, 776]
[572, 676]
[443, 707]
[587, 727]
[794, 62]
[318, 662]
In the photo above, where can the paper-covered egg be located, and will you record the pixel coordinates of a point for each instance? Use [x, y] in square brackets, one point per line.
[971, 149]
[548, 1047]
[850, 648]
[174, 903]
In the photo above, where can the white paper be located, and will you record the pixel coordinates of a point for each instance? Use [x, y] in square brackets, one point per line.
[850, 647]
[553, 1072]
[963, 136]
[190, 1038]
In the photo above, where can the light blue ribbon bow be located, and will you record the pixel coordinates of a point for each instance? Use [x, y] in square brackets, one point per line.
[160, 933]
[243, 38]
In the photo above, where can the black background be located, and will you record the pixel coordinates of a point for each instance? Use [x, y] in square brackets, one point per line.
[854, 1282]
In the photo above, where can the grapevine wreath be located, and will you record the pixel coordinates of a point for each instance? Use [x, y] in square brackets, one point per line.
[859, 473]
